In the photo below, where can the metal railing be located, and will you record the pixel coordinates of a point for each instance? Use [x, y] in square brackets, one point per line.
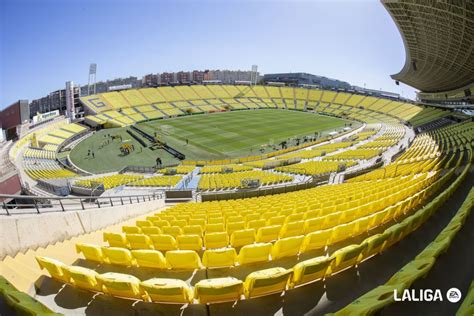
[29, 204]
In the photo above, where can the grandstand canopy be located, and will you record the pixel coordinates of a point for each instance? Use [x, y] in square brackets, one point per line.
[439, 43]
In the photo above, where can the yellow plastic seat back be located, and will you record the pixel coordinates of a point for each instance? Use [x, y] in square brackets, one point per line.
[139, 241]
[254, 253]
[316, 240]
[242, 237]
[118, 256]
[268, 281]
[342, 232]
[164, 242]
[153, 230]
[172, 230]
[347, 257]
[149, 258]
[234, 226]
[90, 252]
[54, 268]
[193, 230]
[292, 229]
[286, 247]
[310, 270]
[216, 240]
[118, 284]
[268, 233]
[218, 290]
[116, 240]
[82, 278]
[375, 244]
[215, 228]
[216, 258]
[144, 223]
[131, 230]
[189, 242]
[183, 259]
[167, 290]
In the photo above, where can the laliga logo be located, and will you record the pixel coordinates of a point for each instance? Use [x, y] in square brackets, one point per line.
[427, 295]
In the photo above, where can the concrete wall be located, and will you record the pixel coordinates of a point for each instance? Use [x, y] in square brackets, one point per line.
[18, 233]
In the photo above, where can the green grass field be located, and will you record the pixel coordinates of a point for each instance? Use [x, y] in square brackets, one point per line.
[210, 136]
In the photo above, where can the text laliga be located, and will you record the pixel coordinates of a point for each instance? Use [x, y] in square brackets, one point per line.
[421, 295]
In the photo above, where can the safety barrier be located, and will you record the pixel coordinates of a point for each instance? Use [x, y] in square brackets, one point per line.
[28, 204]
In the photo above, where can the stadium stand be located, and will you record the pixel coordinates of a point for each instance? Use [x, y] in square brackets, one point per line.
[234, 180]
[157, 181]
[111, 181]
[224, 168]
[197, 98]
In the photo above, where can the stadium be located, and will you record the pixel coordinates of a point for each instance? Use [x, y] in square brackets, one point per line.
[215, 198]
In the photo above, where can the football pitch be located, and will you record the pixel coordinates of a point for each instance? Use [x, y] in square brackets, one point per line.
[208, 137]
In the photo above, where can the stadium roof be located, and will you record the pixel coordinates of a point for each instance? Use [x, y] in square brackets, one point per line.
[439, 42]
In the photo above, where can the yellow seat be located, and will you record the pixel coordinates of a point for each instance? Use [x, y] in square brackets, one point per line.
[268, 233]
[118, 256]
[161, 223]
[310, 270]
[254, 253]
[197, 221]
[342, 232]
[216, 258]
[149, 258]
[193, 230]
[90, 252]
[276, 220]
[178, 222]
[235, 219]
[346, 257]
[286, 247]
[292, 229]
[218, 290]
[144, 223]
[153, 230]
[174, 231]
[189, 242]
[215, 228]
[167, 290]
[251, 217]
[256, 224]
[312, 225]
[316, 240]
[82, 278]
[268, 281]
[167, 218]
[183, 259]
[131, 230]
[216, 240]
[242, 237]
[215, 220]
[54, 267]
[118, 284]
[164, 242]
[375, 244]
[232, 227]
[362, 226]
[116, 240]
[139, 241]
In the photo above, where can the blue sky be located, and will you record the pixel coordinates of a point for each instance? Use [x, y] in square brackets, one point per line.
[44, 43]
